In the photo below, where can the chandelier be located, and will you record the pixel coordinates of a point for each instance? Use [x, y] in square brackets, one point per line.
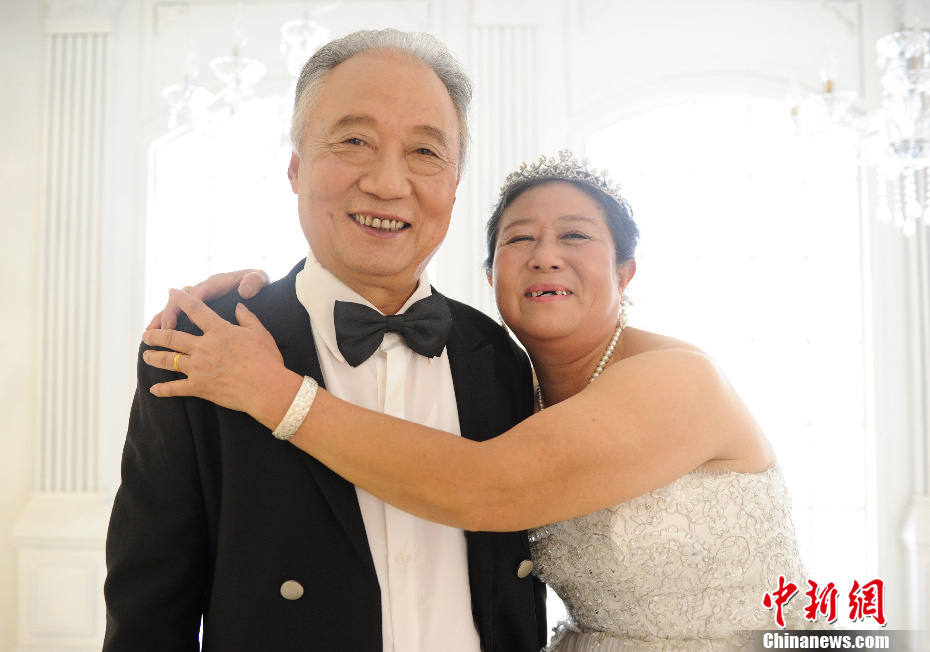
[826, 110]
[894, 141]
[193, 106]
[899, 145]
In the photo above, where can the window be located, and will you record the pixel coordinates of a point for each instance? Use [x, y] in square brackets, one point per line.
[220, 201]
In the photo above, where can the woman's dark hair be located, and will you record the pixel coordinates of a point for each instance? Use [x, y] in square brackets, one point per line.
[617, 214]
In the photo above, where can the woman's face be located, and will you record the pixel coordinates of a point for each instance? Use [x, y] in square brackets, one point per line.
[555, 271]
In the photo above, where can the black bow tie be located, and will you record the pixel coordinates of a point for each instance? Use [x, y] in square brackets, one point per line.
[360, 329]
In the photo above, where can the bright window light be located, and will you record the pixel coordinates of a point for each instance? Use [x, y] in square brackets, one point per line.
[219, 201]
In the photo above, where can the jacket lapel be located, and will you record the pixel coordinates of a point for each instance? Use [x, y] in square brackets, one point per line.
[289, 324]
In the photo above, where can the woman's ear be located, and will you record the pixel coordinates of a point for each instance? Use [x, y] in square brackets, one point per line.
[625, 273]
[487, 274]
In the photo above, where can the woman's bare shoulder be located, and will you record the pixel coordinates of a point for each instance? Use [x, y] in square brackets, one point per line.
[637, 342]
[695, 378]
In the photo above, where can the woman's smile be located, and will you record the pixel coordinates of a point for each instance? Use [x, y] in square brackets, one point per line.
[547, 292]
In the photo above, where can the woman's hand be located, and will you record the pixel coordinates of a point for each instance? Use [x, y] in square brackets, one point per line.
[237, 367]
[250, 282]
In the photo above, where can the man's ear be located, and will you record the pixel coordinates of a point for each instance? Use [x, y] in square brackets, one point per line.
[292, 169]
[490, 278]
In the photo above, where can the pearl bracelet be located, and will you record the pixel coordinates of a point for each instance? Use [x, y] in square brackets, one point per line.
[298, 411]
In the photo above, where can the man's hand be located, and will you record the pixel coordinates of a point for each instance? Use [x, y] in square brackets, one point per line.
[237, 367]
[250, 282]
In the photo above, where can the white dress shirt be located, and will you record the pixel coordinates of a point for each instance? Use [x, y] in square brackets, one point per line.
[422, 567]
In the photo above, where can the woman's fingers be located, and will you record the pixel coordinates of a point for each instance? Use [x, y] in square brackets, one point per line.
[206, 319]
[169, 360]
[170, 339]
[252, 283]
[248, 319]
[155, 323]
[198, 311]
[167, 318]
[219, 285]
[174, 388]
[249, 282]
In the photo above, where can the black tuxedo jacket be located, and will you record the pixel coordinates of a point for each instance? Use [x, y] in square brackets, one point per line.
[214, 514]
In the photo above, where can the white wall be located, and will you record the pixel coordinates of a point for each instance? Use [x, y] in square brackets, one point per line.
[21, 60]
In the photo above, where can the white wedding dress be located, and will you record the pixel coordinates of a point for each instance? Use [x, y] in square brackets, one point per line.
[682, 568]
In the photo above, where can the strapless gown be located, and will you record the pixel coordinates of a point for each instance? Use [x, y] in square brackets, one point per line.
[682, 568]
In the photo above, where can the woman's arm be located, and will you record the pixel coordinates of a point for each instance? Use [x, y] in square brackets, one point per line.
[646, 421]
[634, 430]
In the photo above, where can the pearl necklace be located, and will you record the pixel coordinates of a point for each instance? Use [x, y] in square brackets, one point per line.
[621, 324]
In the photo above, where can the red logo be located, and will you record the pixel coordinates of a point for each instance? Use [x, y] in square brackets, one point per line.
[822, 603]
[779, 598]
[865, 601]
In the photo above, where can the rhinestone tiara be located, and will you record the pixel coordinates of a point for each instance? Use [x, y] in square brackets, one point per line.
[566, 168]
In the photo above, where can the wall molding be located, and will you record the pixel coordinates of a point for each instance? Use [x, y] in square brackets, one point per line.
[61, 572]
[81, 16]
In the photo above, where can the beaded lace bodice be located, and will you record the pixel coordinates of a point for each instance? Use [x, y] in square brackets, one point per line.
[685, 564]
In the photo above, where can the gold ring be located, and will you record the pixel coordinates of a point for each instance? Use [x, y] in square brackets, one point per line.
[176, 367]
[187, 288]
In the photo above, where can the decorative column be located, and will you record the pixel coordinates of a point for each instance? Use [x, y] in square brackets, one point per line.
[504, 64]
[60, 534]
[916, 530]
[514, 51]
[499, 45]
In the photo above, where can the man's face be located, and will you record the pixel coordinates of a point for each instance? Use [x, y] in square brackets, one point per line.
[377, 173]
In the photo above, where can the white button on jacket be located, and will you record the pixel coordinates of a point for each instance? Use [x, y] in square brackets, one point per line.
[292, 590]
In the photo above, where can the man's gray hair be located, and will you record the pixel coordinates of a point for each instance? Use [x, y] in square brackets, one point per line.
[422, 47]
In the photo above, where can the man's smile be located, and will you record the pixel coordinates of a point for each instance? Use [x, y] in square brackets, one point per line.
[378, 223]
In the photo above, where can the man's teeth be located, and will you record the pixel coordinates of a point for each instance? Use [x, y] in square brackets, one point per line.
[377, 223]
[555, 292]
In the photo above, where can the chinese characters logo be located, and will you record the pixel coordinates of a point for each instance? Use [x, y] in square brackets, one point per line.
[865, 601]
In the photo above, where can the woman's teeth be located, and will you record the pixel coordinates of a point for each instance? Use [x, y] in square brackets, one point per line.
[555, 292]
[377, 223]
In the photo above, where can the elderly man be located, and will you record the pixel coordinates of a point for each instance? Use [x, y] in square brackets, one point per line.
[217, 519]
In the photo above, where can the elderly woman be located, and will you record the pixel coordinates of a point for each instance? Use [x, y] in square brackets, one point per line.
[661, 517]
